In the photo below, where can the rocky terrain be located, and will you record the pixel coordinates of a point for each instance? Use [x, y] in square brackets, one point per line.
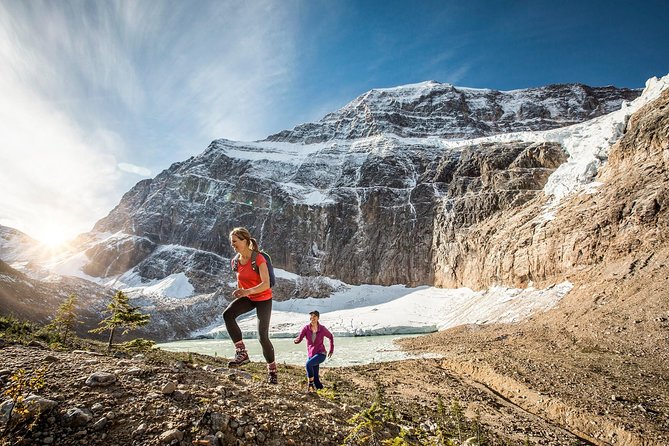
[92, 398]
[596, 365]
[161, 398]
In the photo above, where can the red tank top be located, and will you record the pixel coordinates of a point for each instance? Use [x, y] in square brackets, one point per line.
[247, 278]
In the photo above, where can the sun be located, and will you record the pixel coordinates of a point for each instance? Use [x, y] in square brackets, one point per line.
[53, 237]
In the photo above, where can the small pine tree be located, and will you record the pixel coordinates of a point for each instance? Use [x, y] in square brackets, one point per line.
[66, 318]
[457, 412]
[122, 314]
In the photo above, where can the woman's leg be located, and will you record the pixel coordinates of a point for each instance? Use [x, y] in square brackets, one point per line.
[235, 309]
[312, 367]
[264, 313]
[238, 307]
[317, 379]
[310, 373]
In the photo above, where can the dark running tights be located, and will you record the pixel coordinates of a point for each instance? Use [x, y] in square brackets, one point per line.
[243, 305]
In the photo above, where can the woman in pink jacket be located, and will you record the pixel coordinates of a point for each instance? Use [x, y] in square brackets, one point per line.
[315, 334]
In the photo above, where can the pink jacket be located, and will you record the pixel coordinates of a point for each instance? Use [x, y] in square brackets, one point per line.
[316, 346]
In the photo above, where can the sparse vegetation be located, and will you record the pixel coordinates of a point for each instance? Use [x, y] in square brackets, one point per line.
[327, 393]
[457, 415]
[22, 414]
[368, 426]
[15, 330]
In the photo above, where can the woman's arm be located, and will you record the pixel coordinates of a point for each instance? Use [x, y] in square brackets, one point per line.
[329, 335]
[299, 338]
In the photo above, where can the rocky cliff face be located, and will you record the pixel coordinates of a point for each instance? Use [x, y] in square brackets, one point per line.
[623, 223]
[365, 202]
[383, 199]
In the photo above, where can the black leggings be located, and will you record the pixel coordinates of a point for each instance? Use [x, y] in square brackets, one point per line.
[243, 305]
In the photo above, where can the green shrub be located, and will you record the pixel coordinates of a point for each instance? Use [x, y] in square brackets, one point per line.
[13, 328]
[138, 345]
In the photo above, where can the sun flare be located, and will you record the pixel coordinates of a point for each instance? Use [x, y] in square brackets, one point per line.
[53, 237]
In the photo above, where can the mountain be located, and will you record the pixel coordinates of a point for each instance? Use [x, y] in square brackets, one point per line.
[597, 362]
[27, 298]
[446, 111]
[360, 204]
[17, 246]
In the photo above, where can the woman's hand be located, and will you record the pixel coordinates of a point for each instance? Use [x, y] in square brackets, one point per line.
[329, 355]
[296, 340]
[240, 293]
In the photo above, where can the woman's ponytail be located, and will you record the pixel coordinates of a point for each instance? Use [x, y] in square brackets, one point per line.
[254, 244]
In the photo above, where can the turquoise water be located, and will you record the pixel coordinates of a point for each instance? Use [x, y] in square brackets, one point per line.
[348, 350]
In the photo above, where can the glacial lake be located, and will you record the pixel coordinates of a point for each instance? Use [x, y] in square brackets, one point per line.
[348, 350]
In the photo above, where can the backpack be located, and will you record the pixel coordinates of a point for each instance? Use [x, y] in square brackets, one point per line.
[254, 255]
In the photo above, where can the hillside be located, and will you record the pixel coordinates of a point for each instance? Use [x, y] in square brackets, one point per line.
[597, 363]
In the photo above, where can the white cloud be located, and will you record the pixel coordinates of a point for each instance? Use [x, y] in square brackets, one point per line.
[456, 74]
[131, 168]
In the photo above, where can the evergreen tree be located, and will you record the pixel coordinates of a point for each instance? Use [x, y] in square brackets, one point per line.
[66, 318]
[122, 314]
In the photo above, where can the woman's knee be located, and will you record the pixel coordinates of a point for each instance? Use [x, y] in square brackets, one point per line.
[229, 315]
[265, 341]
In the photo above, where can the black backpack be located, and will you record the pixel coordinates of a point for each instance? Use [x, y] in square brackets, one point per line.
[254, 265]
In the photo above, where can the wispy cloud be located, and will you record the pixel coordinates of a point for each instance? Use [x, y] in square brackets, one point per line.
[51, 178]
[88, 84]
[457, 74]
[131, 168]
[243, 73]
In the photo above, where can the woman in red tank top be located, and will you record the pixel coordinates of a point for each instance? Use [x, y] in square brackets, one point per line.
[253, 292]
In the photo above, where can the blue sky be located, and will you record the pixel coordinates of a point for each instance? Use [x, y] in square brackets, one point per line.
[97, 95]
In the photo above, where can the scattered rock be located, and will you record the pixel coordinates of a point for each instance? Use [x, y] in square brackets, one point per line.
[169, 388]
[179, 395]
[100, 424]
[77, 417]
[101, 379]
[172, 434]
[86, 352]
[133, 371]
[141, 430]
[219, 421]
